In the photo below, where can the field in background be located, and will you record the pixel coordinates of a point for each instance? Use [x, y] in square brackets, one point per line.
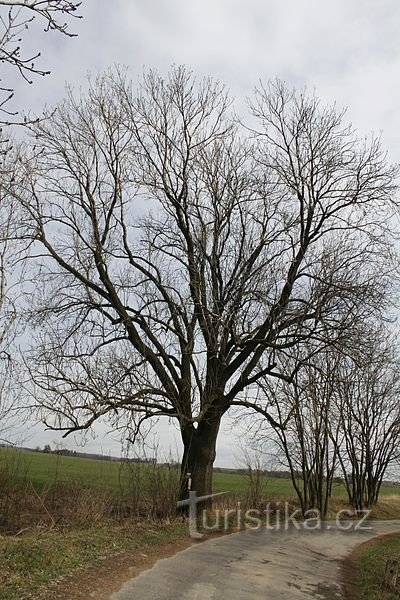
[42, 470]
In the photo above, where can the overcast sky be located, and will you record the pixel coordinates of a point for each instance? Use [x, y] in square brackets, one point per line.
[348, 50]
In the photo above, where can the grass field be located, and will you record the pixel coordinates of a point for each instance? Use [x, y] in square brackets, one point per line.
[44, 469]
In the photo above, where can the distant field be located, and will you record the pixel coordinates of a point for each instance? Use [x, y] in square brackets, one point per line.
[45, 469]
[277, 487]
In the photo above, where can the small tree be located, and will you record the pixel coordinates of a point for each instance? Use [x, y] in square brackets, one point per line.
[306, 436]
[368, 415]
[252, 464]
[178, 255]
[341, 409]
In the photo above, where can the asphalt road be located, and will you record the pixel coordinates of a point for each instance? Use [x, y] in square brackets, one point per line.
[281, 565]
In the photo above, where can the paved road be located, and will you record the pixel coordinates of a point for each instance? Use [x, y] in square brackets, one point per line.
[283, 565]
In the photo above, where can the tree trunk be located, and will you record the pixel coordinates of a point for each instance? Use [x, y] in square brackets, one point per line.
[198, 457]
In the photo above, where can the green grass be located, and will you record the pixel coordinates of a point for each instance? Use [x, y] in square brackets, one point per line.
[44, 469]
[29, 563]
[278, 488]
[369, 563]
[238, 483]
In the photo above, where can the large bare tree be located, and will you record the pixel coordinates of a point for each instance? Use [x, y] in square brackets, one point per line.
[178, 253]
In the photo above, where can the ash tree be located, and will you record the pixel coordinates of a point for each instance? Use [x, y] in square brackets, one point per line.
[178, 253]
[16, 19]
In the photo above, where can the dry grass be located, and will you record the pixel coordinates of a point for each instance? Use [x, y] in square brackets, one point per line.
[388, 507]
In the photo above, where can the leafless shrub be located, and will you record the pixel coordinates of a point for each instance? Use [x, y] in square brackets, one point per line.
[253, 464]
[162, 490]
[75, 505]
[14, 486]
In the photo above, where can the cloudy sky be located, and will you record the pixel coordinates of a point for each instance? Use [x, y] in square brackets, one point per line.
[348, 50]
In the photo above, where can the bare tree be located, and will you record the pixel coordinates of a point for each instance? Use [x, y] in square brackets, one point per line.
[252, 464]
[178, 255]
[16, 16]
[340, 410]
[368, 414]
[307, 437]
[10, 277]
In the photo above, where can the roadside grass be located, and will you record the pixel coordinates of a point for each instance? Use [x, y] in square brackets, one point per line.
[29, 563]
[364, 569]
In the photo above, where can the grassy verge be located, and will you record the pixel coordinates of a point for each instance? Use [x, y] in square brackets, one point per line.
[364, 569]
[30, 563]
